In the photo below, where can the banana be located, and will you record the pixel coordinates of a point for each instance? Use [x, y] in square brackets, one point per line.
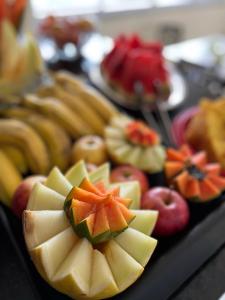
[77, 105]
[60, 113]
[17, 158]
[55, 137]
[90, 96]
[17, 133]
[10, 178]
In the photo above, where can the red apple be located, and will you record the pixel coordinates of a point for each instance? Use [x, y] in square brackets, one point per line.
[173, 210]
[22, 193]
[129, 173]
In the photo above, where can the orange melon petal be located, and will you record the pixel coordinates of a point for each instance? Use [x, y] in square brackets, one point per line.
[81, 210]
[175, 155]
[101, 187]
[199, 159]
[208, 190]
[218, 181]
[115, 218]
[186, 150]
[89, 186]
[86, 196]
[101, 224]
[212, 169]
[172, 168]
[192, 189]
[182, 181]
[127, 214]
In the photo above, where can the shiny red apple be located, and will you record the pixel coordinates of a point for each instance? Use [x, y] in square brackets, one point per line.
[173, 210]
[129, 173]
[22, 193]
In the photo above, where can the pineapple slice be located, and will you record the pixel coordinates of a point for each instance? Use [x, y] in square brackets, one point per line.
[40, 226]
[102, 282]
[58, 182]
[74, 275]
[125, 268]
[144, 221]
[44, 198]
[77, 173]
[48, 256]
[139, 245]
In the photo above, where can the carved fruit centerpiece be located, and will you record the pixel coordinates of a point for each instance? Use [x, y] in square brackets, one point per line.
[192, 175]
[87, 237]
[132, 142]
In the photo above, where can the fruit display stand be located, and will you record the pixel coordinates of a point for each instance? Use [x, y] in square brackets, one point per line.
[175, 260]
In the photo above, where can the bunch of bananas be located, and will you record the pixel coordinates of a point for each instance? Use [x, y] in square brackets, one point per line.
[38, 133]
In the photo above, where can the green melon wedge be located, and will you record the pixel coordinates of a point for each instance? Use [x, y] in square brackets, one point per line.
[144, 221]
[58, 182]
[77, 173]
[103, 284]
[48, 256]
[101, 174]
[139, 245]
[130, 190]
[125, 268]
[73, 276]
[44, 198]
[40, 226]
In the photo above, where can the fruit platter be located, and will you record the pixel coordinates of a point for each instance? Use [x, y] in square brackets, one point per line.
[97, 206]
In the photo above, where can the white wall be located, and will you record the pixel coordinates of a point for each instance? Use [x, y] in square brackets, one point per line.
[195, 20]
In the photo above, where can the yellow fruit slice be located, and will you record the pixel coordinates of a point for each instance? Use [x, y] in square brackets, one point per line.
[58, 182]
[103, 284]
[40, 226]
[77, 173]
[130, 190]
[125, 268]
[139, 245]
[48, 256]
[73, 276]
[134, 156]
[44, 198]
[144, 221]
[114, 133]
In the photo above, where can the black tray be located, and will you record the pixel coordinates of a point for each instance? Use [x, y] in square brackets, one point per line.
[174, 261]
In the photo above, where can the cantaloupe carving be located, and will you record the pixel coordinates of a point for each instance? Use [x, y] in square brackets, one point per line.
[88, 244]
[192, 175]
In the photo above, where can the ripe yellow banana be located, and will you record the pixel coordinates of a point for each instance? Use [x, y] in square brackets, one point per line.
[60, 113]
[10, 178]
[19, 134]
[78, 105]
[89, 96]
[55, 137]
[17, 158]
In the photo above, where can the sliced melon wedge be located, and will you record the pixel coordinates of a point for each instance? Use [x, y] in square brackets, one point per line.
[120, 121]
[114, 133]
[139, 245]
[134, 156]
[77, 173]
[101, 174]
[103, 284]
[40, 226]
[44, 198]
[58, 182]
[144, 221]
[73, 276]
[125, 268]
[130, 190]
[48, 256]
